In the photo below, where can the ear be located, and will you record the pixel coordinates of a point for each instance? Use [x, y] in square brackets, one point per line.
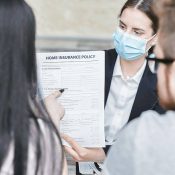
[172, 80]
[154, 40]
[158, 50]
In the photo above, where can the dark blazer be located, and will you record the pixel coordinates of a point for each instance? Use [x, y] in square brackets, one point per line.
[146, 96]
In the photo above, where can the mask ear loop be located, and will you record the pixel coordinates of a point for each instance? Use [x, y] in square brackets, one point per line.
[151, 37]
[151, 44]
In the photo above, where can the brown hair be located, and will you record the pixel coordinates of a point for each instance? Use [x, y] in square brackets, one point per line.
[144, 6]
[165, 9]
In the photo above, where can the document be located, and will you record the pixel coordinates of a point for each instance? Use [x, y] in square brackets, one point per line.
[81, 74]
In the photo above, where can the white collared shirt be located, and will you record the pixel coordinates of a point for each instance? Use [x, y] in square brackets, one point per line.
[120, 101]
[118, 107]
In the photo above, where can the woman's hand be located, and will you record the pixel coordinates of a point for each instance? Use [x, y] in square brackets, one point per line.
[65, 168]
[54, 108]
[81, 154]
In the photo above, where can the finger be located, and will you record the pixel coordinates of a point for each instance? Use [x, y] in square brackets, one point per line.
[72, 143]
[62, 113]
[53, 95]
[71, 152]
[56, 94]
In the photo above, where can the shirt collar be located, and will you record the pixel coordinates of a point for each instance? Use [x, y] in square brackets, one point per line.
[137, 77]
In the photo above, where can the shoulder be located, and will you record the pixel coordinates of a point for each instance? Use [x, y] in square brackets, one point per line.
[154, 121]
[150, 122]
[110, 58]
[111, 52]
[150, 125]
[150, 137]
[147, 132]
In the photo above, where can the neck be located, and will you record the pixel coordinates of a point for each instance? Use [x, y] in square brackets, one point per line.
[130, 68]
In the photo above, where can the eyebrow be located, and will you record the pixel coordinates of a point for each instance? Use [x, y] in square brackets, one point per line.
[139, 29]
[122, 22]
[135, 28]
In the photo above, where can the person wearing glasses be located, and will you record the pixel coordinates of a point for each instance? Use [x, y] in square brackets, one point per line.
[146, 146]
[130, 86]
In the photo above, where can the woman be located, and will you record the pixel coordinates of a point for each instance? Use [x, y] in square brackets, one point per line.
[29, 141]
[147, 145]
[130, 86]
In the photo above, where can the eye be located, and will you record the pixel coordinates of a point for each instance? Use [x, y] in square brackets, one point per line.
[123, 27]
[138, 33]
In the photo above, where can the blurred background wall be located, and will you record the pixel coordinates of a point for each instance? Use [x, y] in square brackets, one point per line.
[66, 25]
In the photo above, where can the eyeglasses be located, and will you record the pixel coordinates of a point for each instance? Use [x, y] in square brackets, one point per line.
[157, 61]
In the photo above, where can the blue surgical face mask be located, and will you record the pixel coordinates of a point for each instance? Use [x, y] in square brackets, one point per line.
[129, 47]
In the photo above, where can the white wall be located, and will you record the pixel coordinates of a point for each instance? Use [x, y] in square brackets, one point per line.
[84, 18]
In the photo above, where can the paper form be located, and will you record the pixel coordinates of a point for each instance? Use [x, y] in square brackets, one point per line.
[82, 76]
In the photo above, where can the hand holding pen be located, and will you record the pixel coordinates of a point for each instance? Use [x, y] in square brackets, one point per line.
[54, 107]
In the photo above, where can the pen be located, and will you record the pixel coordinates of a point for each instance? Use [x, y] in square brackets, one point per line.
[62, 90]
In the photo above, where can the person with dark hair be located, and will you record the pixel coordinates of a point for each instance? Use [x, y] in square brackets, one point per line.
[29, 141]
[147, 145]
[130, 86]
